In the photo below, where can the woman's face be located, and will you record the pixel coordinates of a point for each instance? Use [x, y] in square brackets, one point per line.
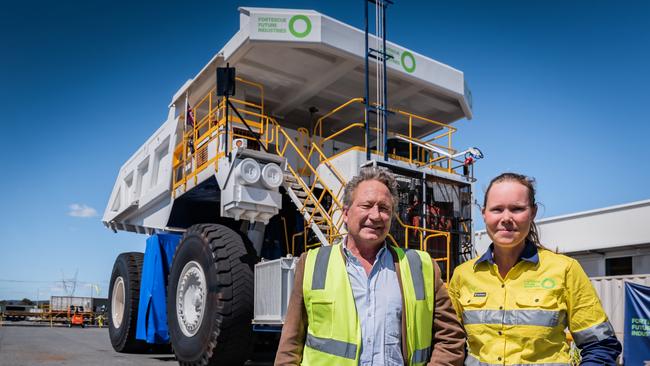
[508, 213]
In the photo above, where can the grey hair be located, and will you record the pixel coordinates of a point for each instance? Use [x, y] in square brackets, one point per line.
[380, 174]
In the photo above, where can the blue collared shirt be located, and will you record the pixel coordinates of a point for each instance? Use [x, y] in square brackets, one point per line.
[529, 254]
[379, 306]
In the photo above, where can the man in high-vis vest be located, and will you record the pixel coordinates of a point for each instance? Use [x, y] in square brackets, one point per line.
[365, 302]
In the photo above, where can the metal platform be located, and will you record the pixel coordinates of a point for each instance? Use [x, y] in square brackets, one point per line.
[307, 59]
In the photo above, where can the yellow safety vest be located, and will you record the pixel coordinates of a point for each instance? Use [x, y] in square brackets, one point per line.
[521, 319]
[334, 331]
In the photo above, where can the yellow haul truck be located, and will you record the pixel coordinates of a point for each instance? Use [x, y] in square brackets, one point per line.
[247, 172]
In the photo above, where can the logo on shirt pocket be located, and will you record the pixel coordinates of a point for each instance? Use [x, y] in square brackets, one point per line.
[545, 283]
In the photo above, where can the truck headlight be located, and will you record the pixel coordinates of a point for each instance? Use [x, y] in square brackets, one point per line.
[272, 176]
[248, 171]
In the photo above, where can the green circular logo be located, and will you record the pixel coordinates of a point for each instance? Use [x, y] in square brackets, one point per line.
[292, 26]
[410, 67]
[548, 283]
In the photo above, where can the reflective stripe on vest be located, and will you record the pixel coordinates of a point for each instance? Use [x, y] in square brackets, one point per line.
[542, 318]
[327, 291]
[473, 361]
[415, 264]
[421, 355]
[333, 328]
[416, 274]
[320, 268]
[332, 346]
[596, 333]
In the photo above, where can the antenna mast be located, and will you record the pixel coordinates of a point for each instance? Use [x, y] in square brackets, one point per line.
[380, 55]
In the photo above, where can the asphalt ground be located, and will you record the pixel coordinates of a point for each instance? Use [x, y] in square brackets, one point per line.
[25, 344]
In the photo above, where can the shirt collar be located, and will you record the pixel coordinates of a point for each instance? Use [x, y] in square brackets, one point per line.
[529, 254]
[348, 254]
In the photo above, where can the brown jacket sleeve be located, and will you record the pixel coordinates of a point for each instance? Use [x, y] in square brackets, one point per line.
[294, 330]
[448, 333]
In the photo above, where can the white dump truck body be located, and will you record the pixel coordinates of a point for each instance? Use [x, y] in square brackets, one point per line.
[249, 168]
[299, 68]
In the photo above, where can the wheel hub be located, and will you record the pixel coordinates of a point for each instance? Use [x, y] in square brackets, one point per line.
[117, 302]
[191, 298]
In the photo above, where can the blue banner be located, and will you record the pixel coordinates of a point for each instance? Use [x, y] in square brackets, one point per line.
[637, 325]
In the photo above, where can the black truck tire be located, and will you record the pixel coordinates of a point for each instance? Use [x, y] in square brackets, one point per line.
[124, 296]
[210, 297]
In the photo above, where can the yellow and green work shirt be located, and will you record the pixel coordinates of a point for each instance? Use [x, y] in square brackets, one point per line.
[333, 326]
[521, 319]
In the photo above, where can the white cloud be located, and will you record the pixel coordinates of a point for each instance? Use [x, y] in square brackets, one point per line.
[81, 210]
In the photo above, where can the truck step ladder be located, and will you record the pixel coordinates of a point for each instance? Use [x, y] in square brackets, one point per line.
[312, 211]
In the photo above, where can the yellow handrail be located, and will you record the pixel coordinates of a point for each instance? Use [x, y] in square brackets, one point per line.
[281, 149]
[319, 123]
[443, 125]
[281, 152]
[351, 126]
[446, 259]
[203, 132]
[410, 117]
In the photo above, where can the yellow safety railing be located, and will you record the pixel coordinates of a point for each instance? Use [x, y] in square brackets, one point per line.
[284, 146]
[416, 153]
[190, 158]
[191, 154]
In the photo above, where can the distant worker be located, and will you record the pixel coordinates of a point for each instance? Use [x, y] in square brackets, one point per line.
[413, 213]
[467, 164]
[100, 320]
[365, 302]
[517, 299]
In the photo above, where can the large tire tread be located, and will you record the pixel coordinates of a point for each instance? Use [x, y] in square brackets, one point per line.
[233, 259]
[125, 341]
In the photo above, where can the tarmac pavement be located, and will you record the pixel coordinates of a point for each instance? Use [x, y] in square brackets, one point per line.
[42, 345]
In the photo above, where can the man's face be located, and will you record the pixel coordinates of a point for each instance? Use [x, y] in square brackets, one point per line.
[369, 216]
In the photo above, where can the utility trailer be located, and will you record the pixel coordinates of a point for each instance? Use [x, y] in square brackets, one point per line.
[243, 177]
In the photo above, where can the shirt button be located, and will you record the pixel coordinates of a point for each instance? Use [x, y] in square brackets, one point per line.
[500, 307]
[503, 285]
[500, 333]
[499, 358]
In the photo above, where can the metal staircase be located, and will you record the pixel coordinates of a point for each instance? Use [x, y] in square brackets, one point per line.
[312, 211]
[310, 199]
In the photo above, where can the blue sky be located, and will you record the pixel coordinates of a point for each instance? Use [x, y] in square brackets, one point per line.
[559, 87]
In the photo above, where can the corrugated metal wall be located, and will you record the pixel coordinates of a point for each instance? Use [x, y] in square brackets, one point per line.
[273, 285]
[611, 290]
[63, 303]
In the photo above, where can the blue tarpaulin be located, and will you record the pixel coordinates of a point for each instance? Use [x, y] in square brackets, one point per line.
[152, 309]
[637, 325]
